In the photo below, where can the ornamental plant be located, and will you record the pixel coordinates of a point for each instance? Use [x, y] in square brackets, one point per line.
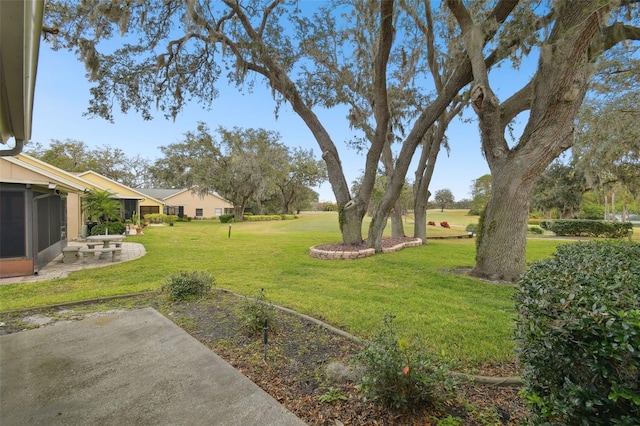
[445, 224]
[188, 285]
[578, 335]
[400, 373]
[255, 312]
[111, 228]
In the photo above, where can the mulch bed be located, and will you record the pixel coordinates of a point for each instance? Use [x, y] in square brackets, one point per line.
[295, 370]
[387, 242]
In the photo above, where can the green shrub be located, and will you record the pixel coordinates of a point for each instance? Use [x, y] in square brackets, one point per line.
[226, 218]
[472, 227]
[255, 311]
[115, 228]
[588, 228]
[188, 285]
[578, 334]
[536, 230]
[592, 211]
[536, 221]
[400, 374]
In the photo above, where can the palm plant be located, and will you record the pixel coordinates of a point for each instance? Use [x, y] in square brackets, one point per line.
[100, 205]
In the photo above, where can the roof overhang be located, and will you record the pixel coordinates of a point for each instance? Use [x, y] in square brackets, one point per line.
[20, 30]
[48, 185]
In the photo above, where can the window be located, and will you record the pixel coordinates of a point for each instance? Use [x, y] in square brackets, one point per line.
[145, 210]
[218, 211]
[12, 224]
[176, 210]
[199, 213]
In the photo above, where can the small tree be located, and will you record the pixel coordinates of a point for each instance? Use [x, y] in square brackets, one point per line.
[443, 198]
[101, 206]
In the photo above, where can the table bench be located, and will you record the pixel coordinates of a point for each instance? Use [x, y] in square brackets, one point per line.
[70, 254]
[115, 251]
[117, 244]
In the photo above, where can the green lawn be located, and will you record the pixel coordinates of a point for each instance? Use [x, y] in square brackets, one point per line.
[464, 319]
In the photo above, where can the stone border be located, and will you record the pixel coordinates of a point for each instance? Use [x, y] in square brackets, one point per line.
[358, 254]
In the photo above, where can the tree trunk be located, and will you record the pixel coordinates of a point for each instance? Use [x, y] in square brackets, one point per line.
[420, 222]
[350, 218]
[238, 211]
[501, 245]
[553, 97]
[613, 205]
[397, 227]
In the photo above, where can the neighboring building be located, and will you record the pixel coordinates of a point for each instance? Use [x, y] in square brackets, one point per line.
[133, 201]
[186, 202]
[41, 210]
[39, 213]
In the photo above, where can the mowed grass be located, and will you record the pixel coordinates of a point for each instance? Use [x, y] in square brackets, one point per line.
[461, 318]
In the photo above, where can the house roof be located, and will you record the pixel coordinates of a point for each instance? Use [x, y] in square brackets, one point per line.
[161, 193]
[165, 193]
[117, 188]
[39, 166]
[46, 178]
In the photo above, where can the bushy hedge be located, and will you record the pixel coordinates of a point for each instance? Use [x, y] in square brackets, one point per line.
[265, 217]
[587, 228]
[226, 218]
[535, 230]
[115, 228]
[578, 334]
[160, 218]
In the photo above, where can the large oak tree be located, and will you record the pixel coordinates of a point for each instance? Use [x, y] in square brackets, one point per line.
[582, 30]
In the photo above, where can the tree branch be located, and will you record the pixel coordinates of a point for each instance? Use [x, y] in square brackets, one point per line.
[611, 36]
[381, 97]
[518, 102]
[265, 17]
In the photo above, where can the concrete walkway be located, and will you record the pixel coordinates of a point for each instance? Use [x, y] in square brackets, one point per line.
[125, 368]
[57, 269]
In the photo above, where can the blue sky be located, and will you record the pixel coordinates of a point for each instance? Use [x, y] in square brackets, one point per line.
[62, 96]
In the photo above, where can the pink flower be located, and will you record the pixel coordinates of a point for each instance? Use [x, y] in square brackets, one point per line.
[406, 370]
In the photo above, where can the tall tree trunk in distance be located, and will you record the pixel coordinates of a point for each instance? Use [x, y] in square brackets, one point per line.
[238, 210]
[424, 171]
[420, 215]
[397, 227]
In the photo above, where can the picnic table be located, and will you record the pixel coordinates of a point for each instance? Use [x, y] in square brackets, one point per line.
[105, 240]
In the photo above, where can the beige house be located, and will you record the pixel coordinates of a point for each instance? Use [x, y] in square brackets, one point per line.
[186, 202]
[133, 201]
